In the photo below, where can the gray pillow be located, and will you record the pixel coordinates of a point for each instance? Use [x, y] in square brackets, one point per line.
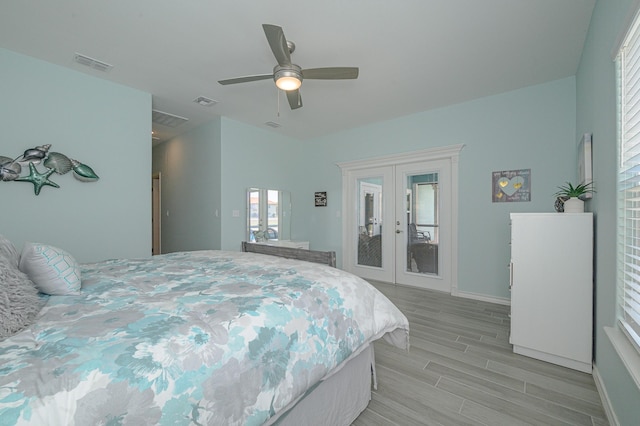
[20, 302]
[8, 251]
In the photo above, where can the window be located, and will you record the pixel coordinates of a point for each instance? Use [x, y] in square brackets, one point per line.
[628, 74]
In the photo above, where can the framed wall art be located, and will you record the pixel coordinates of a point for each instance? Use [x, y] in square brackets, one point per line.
[511, 186]
[321, 199]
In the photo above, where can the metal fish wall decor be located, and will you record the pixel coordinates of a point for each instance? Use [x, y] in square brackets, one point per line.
[54, 162]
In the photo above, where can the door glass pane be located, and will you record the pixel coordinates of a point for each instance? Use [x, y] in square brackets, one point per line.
[369, 238]
[271, 233]
[422, 219]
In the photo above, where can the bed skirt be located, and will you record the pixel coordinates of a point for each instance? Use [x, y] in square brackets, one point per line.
[337, 400]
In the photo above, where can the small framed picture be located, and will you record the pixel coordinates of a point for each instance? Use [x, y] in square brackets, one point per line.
[321, 199]
[510, 186]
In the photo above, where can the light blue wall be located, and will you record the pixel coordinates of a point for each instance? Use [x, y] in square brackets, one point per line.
[531, 128]
[205, 175]
[596, 113]
[256, 158]
[105, 125]
[190, 170]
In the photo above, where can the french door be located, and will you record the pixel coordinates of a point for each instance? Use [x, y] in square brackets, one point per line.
[399, 221]
[423, 225]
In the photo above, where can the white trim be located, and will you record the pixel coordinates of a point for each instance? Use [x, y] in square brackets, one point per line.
[455, 159]
[450, 153]
[626, 351]
[409, 157]
[481, 297]
[634, 8]
[604, 398]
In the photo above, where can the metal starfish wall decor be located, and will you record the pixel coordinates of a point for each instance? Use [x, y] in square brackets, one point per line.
[54, 162]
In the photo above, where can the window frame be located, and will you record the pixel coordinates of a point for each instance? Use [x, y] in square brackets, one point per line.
[628, 185]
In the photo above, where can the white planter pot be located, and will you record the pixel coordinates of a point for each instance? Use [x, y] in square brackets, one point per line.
[574, 205]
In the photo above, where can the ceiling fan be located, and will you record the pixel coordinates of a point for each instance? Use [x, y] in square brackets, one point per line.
[287, 75]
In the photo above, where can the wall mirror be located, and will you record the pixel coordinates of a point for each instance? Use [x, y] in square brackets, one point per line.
[268, 215]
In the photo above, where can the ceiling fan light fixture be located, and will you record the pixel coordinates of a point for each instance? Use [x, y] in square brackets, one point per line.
[289, 78]
[288, 83]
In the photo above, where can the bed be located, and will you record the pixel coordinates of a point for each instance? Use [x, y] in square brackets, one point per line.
[204, 337]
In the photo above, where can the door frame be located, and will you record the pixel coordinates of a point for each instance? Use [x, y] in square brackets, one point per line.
[350, 169]
[156, 213]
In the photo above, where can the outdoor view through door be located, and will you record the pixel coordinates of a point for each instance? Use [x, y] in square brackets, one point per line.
[422, 219]
[400, 221]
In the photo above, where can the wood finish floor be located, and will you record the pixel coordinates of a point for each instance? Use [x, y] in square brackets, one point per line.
[461, 370]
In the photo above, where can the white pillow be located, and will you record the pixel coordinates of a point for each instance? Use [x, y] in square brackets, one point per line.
[53, 270]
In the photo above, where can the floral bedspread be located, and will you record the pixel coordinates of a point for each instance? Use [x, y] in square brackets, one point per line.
[206, 337]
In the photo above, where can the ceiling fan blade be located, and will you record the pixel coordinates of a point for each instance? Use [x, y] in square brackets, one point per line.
[331, 73]
[294, 98]
[245, 79]
[278, 43]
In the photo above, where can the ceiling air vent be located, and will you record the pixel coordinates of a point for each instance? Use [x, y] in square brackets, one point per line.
[201, 100]
[167, 119]
[92, 63]
[272, 124]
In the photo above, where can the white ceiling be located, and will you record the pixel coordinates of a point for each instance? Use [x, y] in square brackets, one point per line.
[413, 55]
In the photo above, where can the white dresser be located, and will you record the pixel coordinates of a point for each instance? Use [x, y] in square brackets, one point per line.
[551, 281]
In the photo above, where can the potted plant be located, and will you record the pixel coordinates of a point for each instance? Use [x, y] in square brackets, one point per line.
[572, 197]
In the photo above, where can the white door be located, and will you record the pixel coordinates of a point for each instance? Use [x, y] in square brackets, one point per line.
[399, 219]
[423, 225]
[369, 233]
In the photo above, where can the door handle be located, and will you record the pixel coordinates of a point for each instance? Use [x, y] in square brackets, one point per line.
[398, 231]
[510, 275]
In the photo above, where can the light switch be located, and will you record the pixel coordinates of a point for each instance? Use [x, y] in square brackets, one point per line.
[235, 213]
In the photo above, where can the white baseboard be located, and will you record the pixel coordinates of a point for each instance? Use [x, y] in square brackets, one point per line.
[482, 297]
[604, 397]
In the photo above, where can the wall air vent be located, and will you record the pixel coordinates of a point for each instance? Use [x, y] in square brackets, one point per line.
[167, 119]
[92, 63]
[272, 124]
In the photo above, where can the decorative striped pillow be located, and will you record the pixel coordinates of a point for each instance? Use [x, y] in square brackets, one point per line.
[53, 270]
